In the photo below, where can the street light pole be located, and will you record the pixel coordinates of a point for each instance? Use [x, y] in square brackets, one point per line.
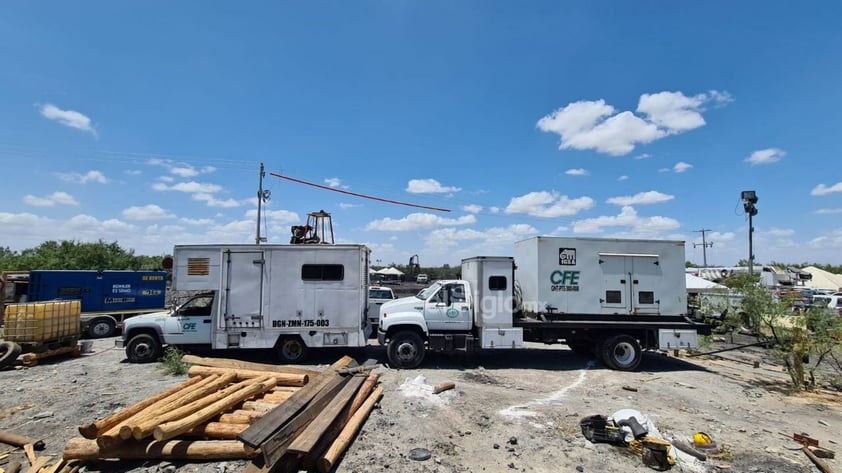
[704, 245]
[749, 199]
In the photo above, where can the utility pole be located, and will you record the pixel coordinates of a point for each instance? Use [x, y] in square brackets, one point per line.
[749, 198]
[704, 245]
[262, 196]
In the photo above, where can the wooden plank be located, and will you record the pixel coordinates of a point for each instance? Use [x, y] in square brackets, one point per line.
[307, 439]
[170, 430]
[195, 450]
[90, 431]
[247, 365]
[54, 467]
[328, 460]
[284, 379]
[39, 463]
[267, 425]
[275, 447]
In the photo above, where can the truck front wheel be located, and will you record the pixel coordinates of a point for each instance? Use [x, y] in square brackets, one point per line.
[292, 350]
[101, 328]
[143, 348]
[405, 350]
[622, 353]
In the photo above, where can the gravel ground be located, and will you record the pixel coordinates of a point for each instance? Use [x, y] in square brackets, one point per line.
[514, 412]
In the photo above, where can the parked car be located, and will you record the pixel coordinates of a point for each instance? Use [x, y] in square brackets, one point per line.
[377, 296]
[421, 279]
[831, 302]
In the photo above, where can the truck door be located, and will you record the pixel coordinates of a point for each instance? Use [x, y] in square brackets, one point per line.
[448, 308]
[630, 281]
[242, 302]
[190, 324]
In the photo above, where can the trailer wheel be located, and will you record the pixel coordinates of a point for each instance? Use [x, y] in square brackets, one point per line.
[622, 353]
[405, 350]
[143, 348]
[9, 352]
[292, 350]
[101, 328]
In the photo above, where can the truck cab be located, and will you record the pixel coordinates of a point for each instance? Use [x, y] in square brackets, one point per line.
[188, 324]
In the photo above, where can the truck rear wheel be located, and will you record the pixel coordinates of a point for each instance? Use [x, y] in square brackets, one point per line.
[143, 348]
[101, 328]
[9, 352]
[292, 350]
[622, 353]
[405, 350]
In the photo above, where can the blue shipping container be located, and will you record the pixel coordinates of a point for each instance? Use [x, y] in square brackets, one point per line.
[101, 290]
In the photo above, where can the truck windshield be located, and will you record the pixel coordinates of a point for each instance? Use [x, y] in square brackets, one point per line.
[425, 293]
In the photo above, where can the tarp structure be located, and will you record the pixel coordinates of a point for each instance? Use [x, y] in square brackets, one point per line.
[390, 271]
[822, 279]
[697, 284]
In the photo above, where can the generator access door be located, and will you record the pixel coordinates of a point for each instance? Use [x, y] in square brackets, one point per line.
[630, 283]
[242, 296]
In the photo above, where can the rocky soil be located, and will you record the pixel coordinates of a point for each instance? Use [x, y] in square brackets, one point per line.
[516, 411]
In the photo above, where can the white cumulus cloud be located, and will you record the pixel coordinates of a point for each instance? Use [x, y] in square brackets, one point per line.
[417, 221]
[822, 189]
[189, 187]
[56, 198]
[548, 204]
[765, 156]
[577, 172]
[90, 176]
[642, 198]
[70, 118]
[472, 208]
[629, 219]
[598, 126]
[829, 211]
[623, 178]
[429, 186]
[211, 201]
[146, 212]
[335, 182]
[681, 166]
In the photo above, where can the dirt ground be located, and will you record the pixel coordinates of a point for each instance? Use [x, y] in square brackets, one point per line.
[514, 411]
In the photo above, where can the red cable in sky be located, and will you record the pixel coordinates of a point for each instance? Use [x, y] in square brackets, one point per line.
[356, 194]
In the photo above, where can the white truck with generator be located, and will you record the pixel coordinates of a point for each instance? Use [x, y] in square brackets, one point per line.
[606, 297]
[284, 297]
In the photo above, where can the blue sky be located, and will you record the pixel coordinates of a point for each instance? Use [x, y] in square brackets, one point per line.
[145, 123]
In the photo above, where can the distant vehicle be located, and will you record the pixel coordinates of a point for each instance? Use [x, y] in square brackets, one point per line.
[421, 278]
[830, 302]
[377, 296]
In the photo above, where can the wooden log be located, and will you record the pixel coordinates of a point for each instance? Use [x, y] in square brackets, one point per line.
[196, 393]
[13, 467]
[442, 387]
[285, 389]
[19, 441]
[174, 428]
[362, 395]
[72, 466]
[124, 430]
[309, 437]
[328, 460]
[240, 416]
[147, 427]
[31, 359]
[54, 467]
[90, 431]
[260, 406]
[284, 379]
[267, 425]
[247, 365]
[275, 447]
[820, 464]
[217, 430]
[276, 398]
[193, 450]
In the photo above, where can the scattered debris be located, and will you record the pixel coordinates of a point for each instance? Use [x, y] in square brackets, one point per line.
[440, 388]
[630, 388]
[420, 454]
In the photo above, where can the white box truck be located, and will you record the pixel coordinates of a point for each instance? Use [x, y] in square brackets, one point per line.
[284, 297]
[609, 297]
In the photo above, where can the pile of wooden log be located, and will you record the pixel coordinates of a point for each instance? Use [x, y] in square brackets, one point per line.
[278, 415]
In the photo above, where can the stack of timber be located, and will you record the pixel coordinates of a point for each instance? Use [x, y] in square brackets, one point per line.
[221, 412]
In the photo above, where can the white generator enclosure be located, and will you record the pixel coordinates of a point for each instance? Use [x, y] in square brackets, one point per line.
[591, 276]
[264, 292]
[492, 281]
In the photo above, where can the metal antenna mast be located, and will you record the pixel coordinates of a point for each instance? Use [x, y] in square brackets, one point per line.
[704, 245]
[262, 196]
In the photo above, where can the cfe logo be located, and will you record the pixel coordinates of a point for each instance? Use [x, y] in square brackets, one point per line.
[564, 281]
[188, 326]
